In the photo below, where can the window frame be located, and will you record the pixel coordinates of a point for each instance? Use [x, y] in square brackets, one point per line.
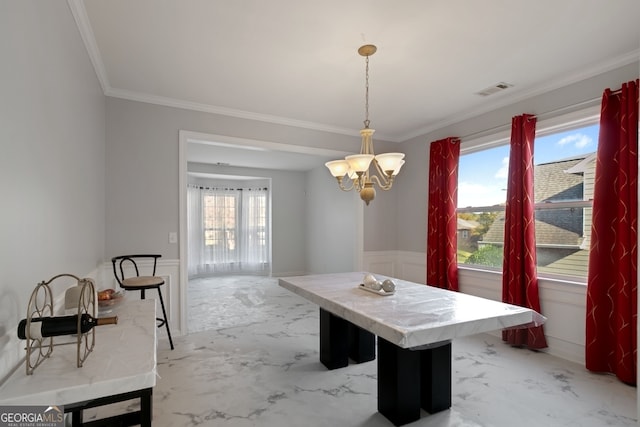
[500, 136]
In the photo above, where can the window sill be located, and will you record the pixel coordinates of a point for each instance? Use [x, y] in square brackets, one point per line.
[572, 281]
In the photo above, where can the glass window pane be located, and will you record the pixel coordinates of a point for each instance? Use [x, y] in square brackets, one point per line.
[564, 172]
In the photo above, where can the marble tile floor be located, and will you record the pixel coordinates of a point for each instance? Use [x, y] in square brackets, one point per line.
[251, 359]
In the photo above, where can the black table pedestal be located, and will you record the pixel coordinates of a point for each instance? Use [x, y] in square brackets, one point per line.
[410, 379]
[340, 340]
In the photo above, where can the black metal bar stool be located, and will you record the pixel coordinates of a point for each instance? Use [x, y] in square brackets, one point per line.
[141, 283]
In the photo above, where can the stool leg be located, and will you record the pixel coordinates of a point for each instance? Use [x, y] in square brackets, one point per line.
[166, 322]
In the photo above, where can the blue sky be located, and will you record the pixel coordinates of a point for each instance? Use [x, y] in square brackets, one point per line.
[482, 176]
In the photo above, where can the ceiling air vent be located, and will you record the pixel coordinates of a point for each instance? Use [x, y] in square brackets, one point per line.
[495, 88]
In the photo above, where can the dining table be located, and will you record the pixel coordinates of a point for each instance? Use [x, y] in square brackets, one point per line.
[413, 325]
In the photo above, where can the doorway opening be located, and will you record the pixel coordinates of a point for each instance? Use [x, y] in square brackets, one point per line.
[239, 162]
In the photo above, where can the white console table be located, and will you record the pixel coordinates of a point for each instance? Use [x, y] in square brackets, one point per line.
[122, 366]
[414, 326]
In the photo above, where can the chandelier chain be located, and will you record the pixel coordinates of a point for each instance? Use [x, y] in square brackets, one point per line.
[366, 95]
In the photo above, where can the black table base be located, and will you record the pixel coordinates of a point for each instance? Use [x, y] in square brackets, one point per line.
[341, 340]
[409, 379]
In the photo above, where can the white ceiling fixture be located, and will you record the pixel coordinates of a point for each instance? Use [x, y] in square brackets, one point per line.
[498, 87]
[356, 167]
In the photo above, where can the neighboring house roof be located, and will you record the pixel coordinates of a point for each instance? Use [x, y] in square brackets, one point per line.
[583, 165]
[546, 234]
[464, 224]
[553, 183]
[575, 265]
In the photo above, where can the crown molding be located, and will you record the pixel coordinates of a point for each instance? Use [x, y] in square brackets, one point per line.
[206, 108]
[86, 32]
[253, 144]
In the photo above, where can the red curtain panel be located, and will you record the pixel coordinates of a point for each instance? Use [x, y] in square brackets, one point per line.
[519, 276]
[442, 239]
[612, 280]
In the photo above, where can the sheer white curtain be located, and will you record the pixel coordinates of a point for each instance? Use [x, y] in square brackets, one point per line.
[228, 231]
[254, 238]
[194, 230]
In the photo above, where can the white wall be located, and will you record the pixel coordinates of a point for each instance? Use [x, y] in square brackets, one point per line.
[52, 136]
[333, 221]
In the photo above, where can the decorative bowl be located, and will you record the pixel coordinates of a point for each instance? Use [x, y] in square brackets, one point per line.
[115, 298]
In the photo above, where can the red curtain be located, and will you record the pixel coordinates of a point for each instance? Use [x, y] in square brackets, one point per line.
[519, 276]
[442, 238]
[612, 282]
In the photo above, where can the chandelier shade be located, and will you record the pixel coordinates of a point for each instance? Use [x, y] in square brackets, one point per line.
[359, 162]
[338, 168]
[357, 167]
[390, 162]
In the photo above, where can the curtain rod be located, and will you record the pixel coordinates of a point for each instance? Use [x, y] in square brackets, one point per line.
[226, 188]
[585, 103]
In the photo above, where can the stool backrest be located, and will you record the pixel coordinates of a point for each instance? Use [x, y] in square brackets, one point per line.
[120, 262]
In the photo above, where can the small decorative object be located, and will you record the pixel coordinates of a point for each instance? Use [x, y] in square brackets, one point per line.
[72, 297]
[389, 285]
[40, 326]
[379, 287]
[376, 286]
[380, 291]
[369, 280]
[43, 327]
[109, 299]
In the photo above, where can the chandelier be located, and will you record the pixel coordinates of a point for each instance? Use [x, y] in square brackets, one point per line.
[356, 167]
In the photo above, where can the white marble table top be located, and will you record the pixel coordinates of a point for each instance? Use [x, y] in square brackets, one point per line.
[123, 360]
[415, 315]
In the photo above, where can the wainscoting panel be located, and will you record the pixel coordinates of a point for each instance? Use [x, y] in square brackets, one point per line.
[382, 262]
[412, 266]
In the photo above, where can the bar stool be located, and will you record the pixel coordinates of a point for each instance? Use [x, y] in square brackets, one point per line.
[141, 283]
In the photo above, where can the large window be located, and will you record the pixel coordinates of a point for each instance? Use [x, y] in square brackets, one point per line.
[220, 218]
[563, 187]
[228, 230]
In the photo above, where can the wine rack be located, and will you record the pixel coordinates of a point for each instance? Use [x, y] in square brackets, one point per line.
[41, 305]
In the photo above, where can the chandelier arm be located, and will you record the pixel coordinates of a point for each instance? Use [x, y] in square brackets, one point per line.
[384, 176]
[384, 183]
[342, 186]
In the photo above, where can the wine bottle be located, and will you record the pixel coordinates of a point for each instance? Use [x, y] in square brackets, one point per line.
[42, 327]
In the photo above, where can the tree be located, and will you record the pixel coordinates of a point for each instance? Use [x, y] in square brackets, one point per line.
[487, 255]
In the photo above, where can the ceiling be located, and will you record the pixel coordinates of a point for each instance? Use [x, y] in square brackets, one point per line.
[295, 62]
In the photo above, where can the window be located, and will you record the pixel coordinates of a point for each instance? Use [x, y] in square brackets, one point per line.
[220, 220]
[563, 186]
[228, 230]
